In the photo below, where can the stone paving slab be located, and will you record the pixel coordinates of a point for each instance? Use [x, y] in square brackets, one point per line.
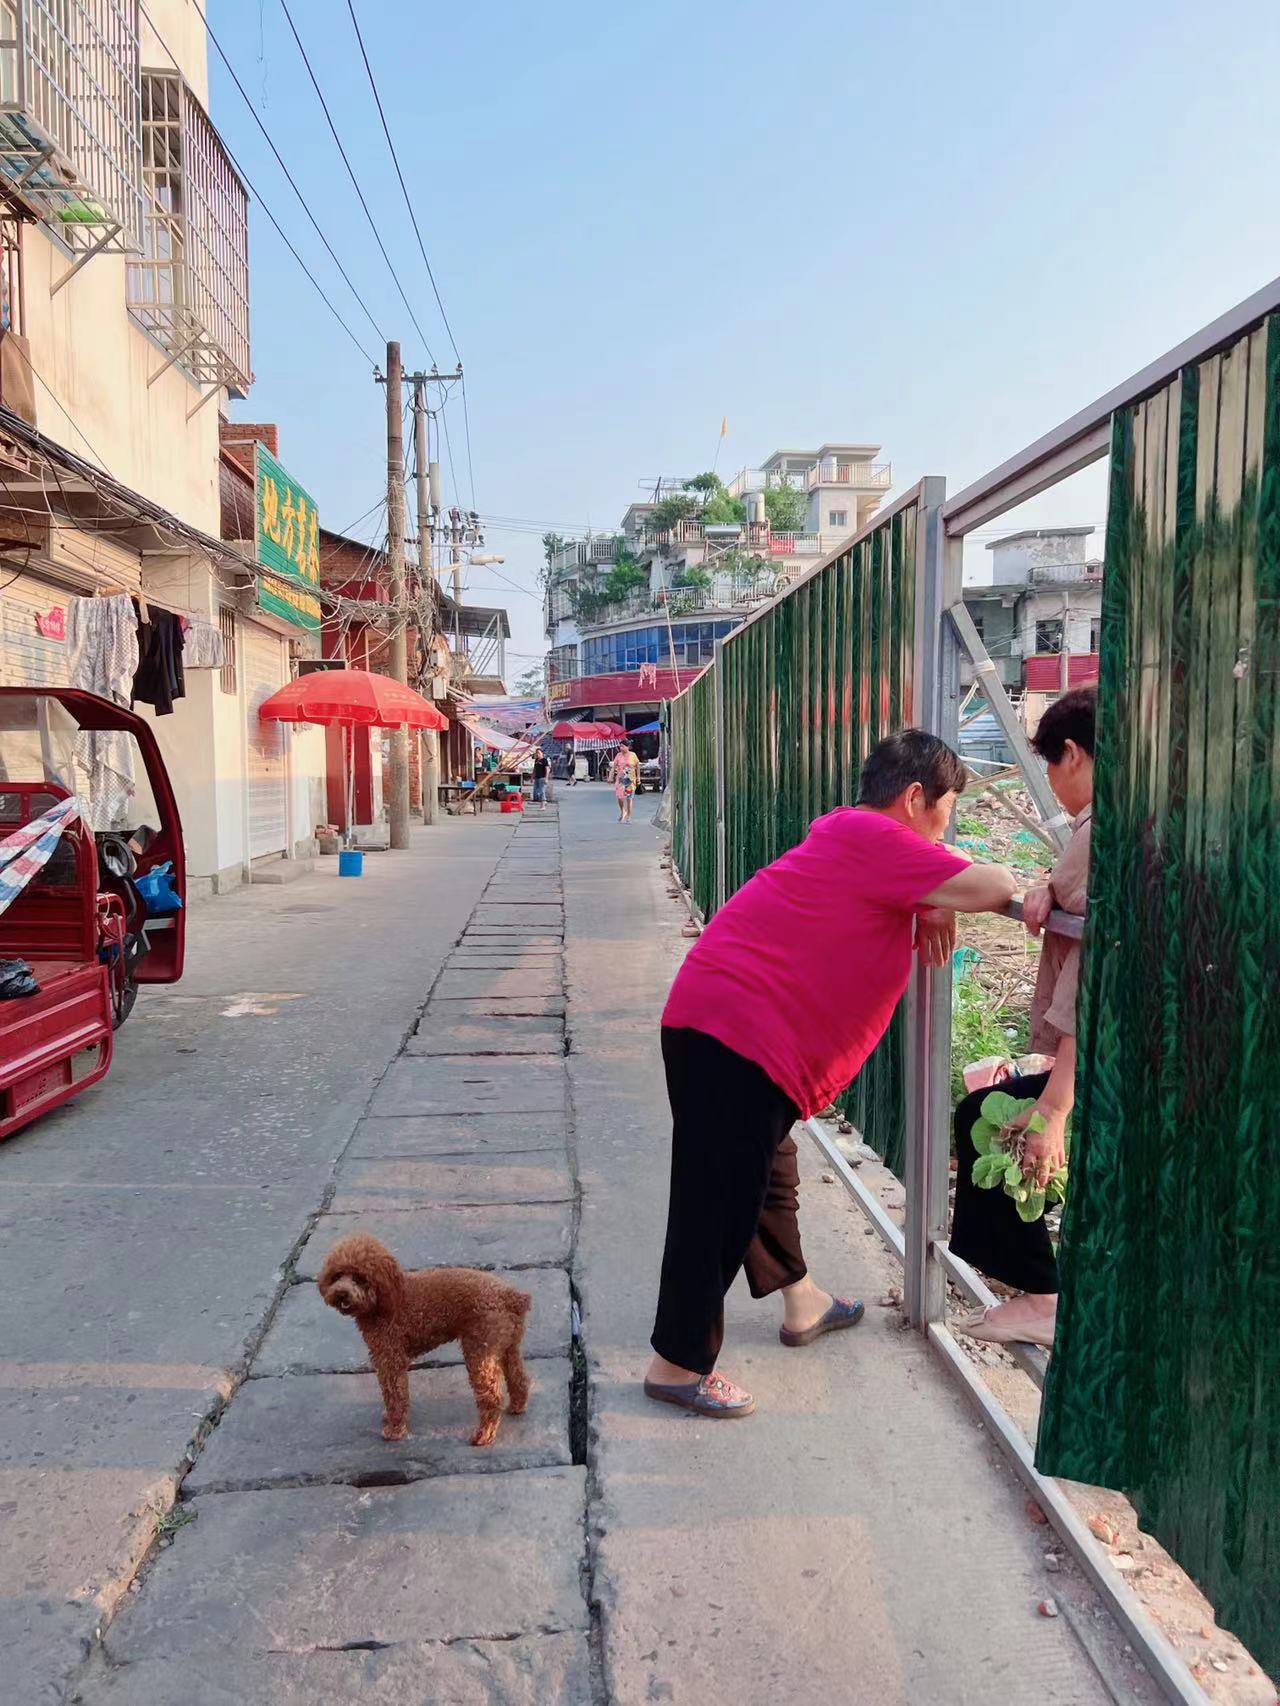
[489, 1033]
[465, 1556]
[528, 915]
[461, 1084]
[532, 980]
[459, 1134]
[305, 1430]
[530, 941]
[406, 1182]
[531, 1670]
[535, 1006]
[505, 960]
[307, 1337]
[500, 1235]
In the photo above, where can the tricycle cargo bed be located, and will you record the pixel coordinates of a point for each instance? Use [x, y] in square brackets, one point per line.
[54, 1043]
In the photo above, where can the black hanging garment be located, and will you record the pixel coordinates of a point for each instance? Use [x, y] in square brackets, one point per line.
[159, 679]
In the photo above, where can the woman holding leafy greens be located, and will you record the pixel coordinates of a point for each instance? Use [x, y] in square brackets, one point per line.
[988, 1230]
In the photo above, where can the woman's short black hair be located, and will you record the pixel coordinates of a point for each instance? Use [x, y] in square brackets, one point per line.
[907, 757]
[1073, 717]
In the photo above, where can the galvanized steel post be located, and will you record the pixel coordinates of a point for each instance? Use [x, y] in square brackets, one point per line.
[717, 672]
[928, 1078]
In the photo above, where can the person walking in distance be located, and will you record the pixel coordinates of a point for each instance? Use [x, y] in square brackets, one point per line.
[625, 771]
[541, 769]
[787, 991]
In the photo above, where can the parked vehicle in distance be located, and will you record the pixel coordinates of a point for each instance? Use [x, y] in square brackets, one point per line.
[650, 776]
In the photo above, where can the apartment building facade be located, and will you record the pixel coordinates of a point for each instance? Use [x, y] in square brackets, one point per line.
[124, 335]
[689, 579]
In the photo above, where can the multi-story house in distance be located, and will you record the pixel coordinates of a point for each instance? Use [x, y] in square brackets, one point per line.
[632, 616]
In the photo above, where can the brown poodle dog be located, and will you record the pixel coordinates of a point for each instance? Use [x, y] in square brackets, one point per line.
[403, 1315]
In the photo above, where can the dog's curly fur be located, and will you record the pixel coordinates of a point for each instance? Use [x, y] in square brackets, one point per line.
[404, 1314]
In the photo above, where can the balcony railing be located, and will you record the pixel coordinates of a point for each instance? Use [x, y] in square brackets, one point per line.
[724, 594]
[70, 118]
[583, 553]
[190, 288]
[1066, 574]
[859, 476]
[795, 544]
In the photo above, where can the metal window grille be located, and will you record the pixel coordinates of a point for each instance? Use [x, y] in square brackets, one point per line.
[190, 288]
[70, 121]
[227, 676]
[13, 316]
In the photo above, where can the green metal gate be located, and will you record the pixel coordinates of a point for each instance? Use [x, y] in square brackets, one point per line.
[806, 689]
[1166, 1375]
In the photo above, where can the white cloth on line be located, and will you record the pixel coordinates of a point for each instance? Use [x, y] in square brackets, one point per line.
[102, 640]
[203, 646]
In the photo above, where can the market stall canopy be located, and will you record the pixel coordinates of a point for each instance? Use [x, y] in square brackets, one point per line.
[586, 734]
[648, 728]
[494, 739]
[354, 697]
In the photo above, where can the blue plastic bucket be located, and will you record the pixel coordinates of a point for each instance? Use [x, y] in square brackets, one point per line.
[351, 862]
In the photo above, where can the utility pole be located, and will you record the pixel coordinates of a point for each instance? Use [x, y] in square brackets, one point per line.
[426, 589]
[399, 803]
[455, 549]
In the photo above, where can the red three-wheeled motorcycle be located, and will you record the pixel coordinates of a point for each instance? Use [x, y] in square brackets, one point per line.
[103, 913]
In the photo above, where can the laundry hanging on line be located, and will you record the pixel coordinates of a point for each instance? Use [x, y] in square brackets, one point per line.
[159, 680]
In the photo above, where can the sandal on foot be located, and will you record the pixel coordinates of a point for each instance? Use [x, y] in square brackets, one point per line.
[843, 1313]
[993, 1331]
[713, 1395]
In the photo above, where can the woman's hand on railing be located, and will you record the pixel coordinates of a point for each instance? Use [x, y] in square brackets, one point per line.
[935, 935]
[1037, 904]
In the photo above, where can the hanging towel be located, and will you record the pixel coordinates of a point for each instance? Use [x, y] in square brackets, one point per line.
[102, 639]
[159, 679]
[203, 646]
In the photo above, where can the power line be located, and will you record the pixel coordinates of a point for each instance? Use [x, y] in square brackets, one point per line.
[466, 422]
[306, 208]
[333, 129]
[386, 131]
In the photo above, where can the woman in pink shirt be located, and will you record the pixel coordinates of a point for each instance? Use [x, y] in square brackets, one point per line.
[788, 990]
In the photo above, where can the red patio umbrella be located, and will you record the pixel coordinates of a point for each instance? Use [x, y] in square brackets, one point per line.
[350, 699]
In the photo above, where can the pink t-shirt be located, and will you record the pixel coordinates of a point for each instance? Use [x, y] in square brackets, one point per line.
[801, 970]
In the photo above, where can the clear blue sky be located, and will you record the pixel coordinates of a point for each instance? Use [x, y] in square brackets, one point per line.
[940, 228]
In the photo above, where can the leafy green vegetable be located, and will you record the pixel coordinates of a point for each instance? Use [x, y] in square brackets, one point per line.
[1001, 1110]
[998, 1141]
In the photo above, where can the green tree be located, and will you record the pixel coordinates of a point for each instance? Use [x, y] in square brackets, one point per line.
[531, 684]
[680, 506]
[721, 510]
[551, 544]
[785, 508]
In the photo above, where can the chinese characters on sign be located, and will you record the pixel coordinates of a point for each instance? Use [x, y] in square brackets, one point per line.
[649, 675]
[288, 544]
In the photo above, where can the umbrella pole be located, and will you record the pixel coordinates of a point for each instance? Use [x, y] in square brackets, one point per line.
[348, 776]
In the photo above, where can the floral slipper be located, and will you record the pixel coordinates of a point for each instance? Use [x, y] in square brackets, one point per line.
[713, 1395]
[844, 1312]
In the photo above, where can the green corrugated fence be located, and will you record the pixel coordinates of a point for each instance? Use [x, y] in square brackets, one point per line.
[1165, 1379]
[807, 687]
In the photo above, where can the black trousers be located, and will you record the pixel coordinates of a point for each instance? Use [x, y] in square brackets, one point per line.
[734, 1185]
[986, 1230]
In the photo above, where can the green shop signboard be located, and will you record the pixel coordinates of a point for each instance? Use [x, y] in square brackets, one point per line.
[288, 544]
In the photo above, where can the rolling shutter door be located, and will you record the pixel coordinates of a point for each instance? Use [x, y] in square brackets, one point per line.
[266, 780]
[26, 657]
